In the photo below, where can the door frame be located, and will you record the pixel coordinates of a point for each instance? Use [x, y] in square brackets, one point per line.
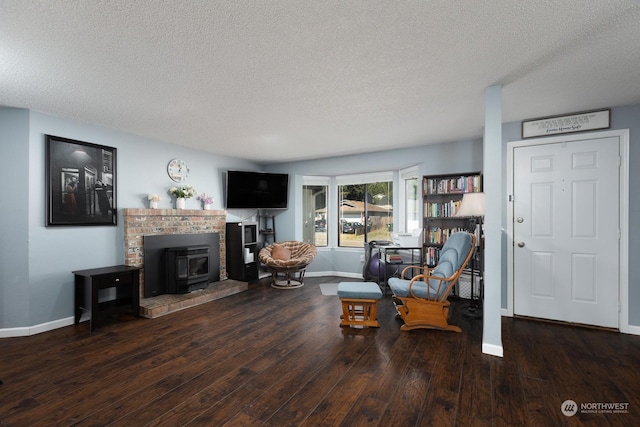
[623, 242]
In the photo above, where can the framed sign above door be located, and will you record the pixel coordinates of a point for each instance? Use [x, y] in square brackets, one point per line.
[577, 122]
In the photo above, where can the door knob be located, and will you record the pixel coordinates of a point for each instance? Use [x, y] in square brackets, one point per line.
[521, 244]
[520, 220]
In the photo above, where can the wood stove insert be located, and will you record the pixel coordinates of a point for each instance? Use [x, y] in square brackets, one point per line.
[187, 269]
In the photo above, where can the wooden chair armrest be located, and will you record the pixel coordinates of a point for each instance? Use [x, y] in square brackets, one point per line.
[427, 278]
[424, 270]
[420, 278]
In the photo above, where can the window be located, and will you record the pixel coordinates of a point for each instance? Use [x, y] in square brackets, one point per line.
[314, 208]
[365, 208]
[411, 199]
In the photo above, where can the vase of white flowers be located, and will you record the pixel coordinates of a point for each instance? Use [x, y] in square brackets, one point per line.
[153, 201]
[182, 193]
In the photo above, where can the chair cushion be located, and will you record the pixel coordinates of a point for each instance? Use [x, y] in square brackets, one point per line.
[400, 288]
[301, 255]
[359, 290]
[280, 252]
[452, 255]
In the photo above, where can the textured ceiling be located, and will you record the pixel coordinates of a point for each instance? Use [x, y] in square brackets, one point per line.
[274, 81]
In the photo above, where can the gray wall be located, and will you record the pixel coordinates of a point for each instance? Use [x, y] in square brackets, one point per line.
[621, 118]
[464, 156]
[14, 241]
[461, 156]
[629, 118]
[36, 283]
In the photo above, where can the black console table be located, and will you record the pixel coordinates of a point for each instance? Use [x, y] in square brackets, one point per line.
[396, 258]
[124, 278]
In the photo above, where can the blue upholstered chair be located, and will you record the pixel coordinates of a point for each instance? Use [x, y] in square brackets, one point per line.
[422, 300]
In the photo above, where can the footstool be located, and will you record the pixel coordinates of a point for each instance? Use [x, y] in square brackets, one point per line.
[359, 303]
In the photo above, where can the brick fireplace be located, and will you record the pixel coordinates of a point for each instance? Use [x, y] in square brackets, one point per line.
[155, 222]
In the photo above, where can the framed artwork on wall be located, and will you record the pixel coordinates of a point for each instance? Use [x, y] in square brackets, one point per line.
[80, 183]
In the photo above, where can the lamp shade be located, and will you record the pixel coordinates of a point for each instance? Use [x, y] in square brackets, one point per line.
[472, 205]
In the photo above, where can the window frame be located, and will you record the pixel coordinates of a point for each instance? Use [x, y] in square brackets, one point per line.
[403, 201]
[361, 179]
[322, 181]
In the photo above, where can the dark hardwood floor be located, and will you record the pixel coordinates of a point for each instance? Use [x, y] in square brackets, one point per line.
[278, 357]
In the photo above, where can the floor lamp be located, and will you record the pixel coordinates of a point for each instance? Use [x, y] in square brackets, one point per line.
[473, 207]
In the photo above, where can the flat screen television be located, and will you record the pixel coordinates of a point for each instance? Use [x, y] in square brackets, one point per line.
[257, 190]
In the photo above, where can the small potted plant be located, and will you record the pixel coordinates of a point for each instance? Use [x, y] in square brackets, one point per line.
[182, 193]
[207, 201]
[153, 201]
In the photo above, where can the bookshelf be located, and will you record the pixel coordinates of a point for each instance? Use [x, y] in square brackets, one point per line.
[442, 195]
[267, 233]
[242, 251]
[267, 229]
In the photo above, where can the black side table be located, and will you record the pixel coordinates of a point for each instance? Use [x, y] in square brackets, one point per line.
[124, 278]
[406, 256]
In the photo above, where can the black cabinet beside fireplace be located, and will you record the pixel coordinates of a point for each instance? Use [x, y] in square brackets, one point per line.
[242, 251]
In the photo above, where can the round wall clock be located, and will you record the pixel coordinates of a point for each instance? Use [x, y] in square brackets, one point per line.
[178, 170]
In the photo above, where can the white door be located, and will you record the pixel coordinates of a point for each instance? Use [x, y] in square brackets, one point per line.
[566, 231]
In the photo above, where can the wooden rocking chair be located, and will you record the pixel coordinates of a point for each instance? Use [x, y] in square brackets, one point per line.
[422, 300]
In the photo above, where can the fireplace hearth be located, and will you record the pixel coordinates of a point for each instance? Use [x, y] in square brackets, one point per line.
[142, 224]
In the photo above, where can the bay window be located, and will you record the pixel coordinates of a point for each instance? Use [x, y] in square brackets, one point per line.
[365, 208]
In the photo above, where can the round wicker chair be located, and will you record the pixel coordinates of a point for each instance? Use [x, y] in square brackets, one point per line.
[287, 262]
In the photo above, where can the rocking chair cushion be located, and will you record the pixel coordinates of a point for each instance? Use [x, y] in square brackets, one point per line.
[452, 256]
[400, 288]
[422, 302]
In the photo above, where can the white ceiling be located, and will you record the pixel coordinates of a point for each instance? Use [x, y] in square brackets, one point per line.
[284, 80]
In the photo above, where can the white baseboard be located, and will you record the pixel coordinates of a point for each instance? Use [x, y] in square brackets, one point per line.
[60, 323]
[333, 273]
[632, 330]
[492, 349]
[36, 329]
